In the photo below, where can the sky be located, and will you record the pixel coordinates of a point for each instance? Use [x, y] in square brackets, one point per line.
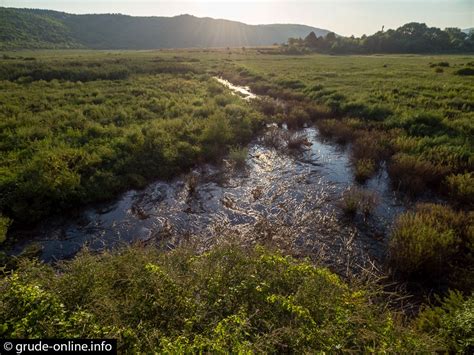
[345, 17]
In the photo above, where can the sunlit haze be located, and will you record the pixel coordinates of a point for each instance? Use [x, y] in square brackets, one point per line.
[345, 17]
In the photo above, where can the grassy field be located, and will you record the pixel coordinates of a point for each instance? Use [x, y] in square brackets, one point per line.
[115, 123]
[430, 113]
[80, 126]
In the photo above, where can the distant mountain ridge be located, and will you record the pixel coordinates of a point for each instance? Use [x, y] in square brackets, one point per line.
[33, 28]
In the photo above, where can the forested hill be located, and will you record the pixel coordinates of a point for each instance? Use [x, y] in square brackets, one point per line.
[30, 28]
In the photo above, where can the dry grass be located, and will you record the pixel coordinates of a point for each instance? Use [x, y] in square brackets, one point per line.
[414, 175]
[356, 200]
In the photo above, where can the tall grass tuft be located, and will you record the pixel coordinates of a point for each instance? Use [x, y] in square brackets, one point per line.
[413, 174]
[430, 241]
[238, 156]
[356, 200]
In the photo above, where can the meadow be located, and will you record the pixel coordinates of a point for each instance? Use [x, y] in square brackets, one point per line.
[79, 127]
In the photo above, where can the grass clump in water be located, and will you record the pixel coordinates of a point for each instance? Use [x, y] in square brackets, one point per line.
[414, 174]
[229, 299]
[461, 187]
[356, 200]
[364, 170]
[239, 156]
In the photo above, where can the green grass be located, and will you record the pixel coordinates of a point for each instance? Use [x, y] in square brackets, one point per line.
[227, 299]
[81, 126]
[71, 133]
[434, 243]
[430, 115]
[452, 320]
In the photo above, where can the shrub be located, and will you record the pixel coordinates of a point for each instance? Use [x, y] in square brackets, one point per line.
[315, 111]
[238, 156]
[461, 187]
[192, 183]
[269, 106]
[413, 174]
[275, 137]
[340, 131]
[424, 124]
[371, 145]
[222, 100]
[297, 117]
[291, 84]
[229, 299]
[465, 71]
[452, 320]
[440, 64]
[215, 88]
[356, 200]
[364, 170]
[297, 141]
[4, 224]
[427, 241]
[369, 112]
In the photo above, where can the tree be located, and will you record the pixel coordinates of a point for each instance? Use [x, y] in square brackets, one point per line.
[331, 37]
[311, 40]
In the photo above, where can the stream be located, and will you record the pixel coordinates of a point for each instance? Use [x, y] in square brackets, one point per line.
[298, 194]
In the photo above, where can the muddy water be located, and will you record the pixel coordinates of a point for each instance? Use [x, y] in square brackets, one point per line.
[298, 193]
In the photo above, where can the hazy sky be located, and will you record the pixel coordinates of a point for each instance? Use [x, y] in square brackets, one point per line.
[345, 17]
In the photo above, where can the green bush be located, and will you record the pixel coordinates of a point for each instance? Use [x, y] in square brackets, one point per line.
[461, 187]
[431, 241]
[340, 131]
[464, 71]
[452, 320]
[297, 117]
[4, 224]
[229, 299]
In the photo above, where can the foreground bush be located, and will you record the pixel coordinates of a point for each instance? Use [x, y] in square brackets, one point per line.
[432, 242]
[228, 299]
[452, 320]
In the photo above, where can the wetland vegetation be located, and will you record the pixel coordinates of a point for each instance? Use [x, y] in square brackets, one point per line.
[345, 176]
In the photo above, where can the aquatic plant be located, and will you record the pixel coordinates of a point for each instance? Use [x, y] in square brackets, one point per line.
[238, 156]
[364, 170]
[356, 200]
[430, 241]
[296, 141]
[413, 174]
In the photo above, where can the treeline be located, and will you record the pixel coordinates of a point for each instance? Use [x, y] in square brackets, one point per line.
[410, 38]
